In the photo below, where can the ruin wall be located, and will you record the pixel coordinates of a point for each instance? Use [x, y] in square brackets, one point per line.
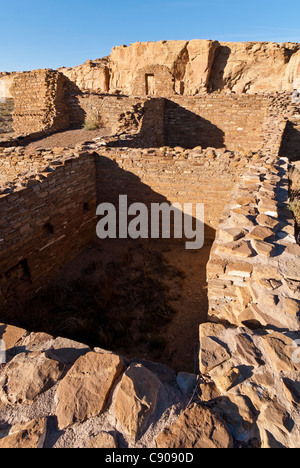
[114, 112]
[48, 201]
[40, 103]
[232, 121]
[157, 176]
[45, 221]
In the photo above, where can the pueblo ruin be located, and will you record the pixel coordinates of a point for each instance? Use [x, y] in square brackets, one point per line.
[142, 343]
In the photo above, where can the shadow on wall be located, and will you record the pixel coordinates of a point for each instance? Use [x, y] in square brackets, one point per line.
[188, 130]
[76, 112]
[113, 181]
[142, 298]
[290, 146]
[181, 333]
[166, 123]
[216, 79]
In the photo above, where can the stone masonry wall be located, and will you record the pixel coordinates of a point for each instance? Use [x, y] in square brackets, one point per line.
[114, 112]
[40, 105]
[48, 201]
[232, 121]
[177, 176]
[46, 218]
[256, 241]
[249, 347]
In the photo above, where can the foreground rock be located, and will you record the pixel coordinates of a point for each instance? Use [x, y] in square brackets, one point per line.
[197, 427]
[27, 376]
[136, 399]
[25, 436]
[84, 390]
[247, 395]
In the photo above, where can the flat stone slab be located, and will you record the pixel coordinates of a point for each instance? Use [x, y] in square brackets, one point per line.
[83, 392]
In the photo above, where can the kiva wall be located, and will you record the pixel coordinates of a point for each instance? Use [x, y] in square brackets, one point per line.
[45, 224]
[156, 176]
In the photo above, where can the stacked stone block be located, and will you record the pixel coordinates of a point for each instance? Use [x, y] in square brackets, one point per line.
[40, 105]
[218, 120]
[45, 221]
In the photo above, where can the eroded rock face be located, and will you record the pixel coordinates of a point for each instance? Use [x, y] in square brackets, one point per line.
[92, 75]
[30, 435]
[103, 440]
[191, 67]
[255, 67]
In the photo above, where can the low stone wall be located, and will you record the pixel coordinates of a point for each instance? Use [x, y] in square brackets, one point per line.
[118, 113]
[256, 241]
[45, 101]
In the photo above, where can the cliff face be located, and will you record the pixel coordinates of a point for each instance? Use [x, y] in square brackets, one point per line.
[92, 75]
[191, 67]
[186, 68]
[255, 67]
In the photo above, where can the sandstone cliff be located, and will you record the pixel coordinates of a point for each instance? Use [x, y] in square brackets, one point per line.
[191, 67]
[188, 68]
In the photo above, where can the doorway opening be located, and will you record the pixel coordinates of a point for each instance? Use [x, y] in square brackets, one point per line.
[150, 85]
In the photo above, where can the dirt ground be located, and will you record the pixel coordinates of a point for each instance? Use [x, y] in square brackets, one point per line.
[68, 138]
[187, 293]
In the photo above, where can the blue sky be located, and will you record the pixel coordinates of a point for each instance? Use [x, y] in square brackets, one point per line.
[54, 33]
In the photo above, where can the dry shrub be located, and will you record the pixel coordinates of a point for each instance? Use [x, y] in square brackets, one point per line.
[93, 120]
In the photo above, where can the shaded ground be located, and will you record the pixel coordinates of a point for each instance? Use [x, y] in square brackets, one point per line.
[137, 298]
[69, 138]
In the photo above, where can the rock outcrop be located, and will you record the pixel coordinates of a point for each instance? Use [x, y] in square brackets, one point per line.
[186, 67]
[192, 67]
